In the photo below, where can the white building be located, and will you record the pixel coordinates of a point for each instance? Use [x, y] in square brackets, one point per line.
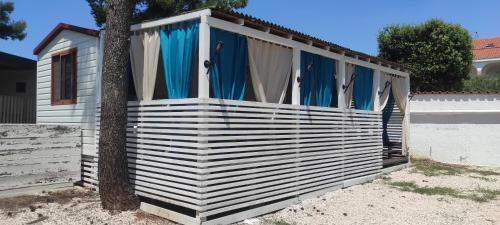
[486, 56]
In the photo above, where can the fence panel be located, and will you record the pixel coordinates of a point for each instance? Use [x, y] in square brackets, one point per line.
[222, 160]
[38, 155]
[17, 109]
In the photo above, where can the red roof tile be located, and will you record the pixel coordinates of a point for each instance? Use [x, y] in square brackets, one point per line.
[486, 48]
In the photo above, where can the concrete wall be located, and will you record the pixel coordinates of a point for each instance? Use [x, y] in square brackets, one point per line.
[38, 156]
[456, 128]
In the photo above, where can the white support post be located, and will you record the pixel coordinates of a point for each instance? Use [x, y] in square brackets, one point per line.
[295, 75]
[406, 123]
[376, 89]
[341, 83]
[203, 54]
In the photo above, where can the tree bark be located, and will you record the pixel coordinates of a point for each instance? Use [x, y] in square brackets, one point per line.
[114, 188]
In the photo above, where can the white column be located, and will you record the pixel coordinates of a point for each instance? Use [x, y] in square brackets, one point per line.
[341, 83]
[376, 89]
[295, 74]
[204, 54]
[406, 123]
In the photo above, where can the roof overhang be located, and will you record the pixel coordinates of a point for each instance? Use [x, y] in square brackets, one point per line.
[58, 29]
[14, 62]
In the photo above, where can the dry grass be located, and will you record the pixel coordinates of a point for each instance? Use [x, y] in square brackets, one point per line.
[432, 168]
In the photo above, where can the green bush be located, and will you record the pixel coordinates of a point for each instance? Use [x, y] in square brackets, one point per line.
[438, 54]
[484, 83]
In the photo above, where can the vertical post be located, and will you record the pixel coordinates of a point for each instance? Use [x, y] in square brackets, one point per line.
[376, 89]
[295, 75]
[341, 83]
[406, 122]
[342, 106]
[296, 102]
[203, 54]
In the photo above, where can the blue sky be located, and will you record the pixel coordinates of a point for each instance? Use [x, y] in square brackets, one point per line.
[350, 23]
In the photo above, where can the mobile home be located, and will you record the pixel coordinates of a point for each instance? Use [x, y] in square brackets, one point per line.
[230, 116]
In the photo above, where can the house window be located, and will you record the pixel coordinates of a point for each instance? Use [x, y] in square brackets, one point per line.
[20, 87]
[64, 78]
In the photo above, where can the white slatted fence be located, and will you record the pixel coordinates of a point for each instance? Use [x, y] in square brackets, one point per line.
[217, 161]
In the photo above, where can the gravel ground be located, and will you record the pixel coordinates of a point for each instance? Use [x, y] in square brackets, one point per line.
[403, 197]
[379, 202]
[81, 206]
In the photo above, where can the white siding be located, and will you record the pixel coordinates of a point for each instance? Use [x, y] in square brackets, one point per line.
[83, 112]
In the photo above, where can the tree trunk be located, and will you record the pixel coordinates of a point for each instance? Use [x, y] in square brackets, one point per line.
[114, 187]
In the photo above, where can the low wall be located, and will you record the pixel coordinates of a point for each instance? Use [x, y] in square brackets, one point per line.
[37, 156]
[456, 128]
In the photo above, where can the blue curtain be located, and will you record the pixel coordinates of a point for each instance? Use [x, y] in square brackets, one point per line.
[386, 115]
[228, 73]
[179, 43]
[317, 85]
[363, 85]
[325, 82]
[307, 77]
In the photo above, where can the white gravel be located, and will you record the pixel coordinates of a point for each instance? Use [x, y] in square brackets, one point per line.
[379, 203]
[371, 203]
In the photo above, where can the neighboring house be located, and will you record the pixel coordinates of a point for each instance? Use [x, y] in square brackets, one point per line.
[486, 56]
[234, 116]
[66, 80]
[17, 89]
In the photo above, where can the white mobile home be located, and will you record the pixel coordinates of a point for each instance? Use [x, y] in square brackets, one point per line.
[231, 116]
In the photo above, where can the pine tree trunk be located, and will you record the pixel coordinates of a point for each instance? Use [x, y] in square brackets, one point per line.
[114, 187]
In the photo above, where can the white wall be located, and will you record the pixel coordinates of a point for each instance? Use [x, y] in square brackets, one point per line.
[456, 128]
[83, 112]
[36, 157]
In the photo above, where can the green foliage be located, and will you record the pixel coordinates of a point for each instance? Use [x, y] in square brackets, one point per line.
[484, 83]
[10, 29]
[154, 9]
[438, 54]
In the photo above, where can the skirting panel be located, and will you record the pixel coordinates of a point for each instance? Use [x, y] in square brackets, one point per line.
[220, 161]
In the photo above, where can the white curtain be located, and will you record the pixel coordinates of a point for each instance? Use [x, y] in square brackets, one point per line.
[384, 97]
[144, 52]
[400, 90]
[270, 68]
[349, 71]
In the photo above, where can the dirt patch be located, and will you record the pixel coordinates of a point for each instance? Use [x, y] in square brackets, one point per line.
[77, 206]
[28, 201]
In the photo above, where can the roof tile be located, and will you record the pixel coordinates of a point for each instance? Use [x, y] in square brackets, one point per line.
[486, 48]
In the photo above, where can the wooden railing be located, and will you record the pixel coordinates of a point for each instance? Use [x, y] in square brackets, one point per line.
[17, 109]
[224, 160]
